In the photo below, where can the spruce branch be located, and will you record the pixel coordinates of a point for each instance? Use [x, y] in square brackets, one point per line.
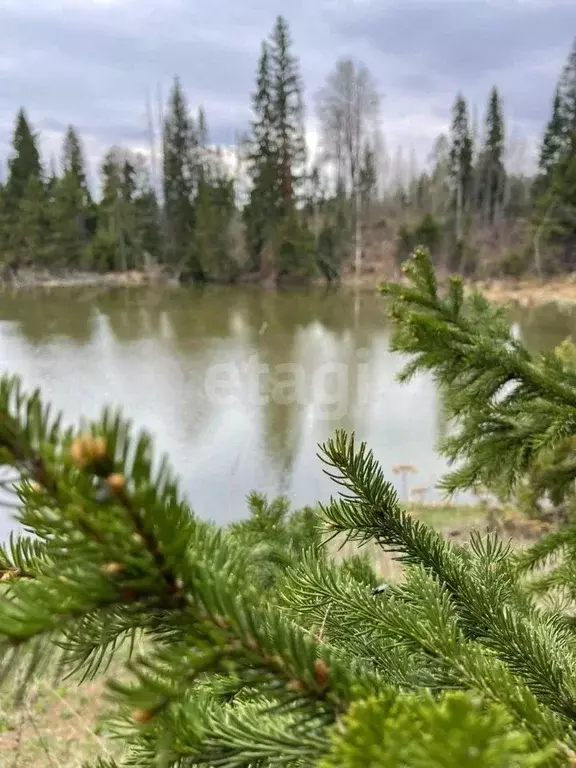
[481, 581]
[120, 549]
[120, 556]
[511, 406]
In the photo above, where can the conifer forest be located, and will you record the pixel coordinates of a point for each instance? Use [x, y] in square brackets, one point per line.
[278, 211]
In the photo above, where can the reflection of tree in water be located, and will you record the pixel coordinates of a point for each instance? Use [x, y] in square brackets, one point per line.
[187, 330]
[200, 315]
[41, 314]
[544, 327]
[132, 313]
[284, 311]
[311, 328]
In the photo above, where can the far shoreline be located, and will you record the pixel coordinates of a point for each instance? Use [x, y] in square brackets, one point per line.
[525, 292]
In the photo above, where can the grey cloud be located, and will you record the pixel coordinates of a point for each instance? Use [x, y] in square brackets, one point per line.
[433, 47]
[93, 64]
[455, 39]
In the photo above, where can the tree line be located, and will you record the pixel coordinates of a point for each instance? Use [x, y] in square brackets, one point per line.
[348, 206]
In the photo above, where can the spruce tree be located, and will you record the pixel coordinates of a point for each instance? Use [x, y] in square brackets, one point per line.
[73, 161]
[29, 226]
[287, 116]
[262, 210]
[567, 87]
[68, 223]
[114, 246]
[180, 180]
[72, 212]
[492, 171]
[24, 163]
[147, 215]
[461, 153]
[555, 208]
[277, 233]
[553, 141]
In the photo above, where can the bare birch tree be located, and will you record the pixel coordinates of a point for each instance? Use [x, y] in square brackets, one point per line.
[348, 109]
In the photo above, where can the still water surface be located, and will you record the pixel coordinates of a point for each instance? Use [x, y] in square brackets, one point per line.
[238, 385]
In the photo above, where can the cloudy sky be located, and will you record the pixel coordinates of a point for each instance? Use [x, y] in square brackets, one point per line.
[92, 62]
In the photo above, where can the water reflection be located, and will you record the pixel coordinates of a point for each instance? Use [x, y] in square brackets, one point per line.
[238, 385]
[544, 327]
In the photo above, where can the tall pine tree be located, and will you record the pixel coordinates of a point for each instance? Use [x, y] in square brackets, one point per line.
[73, 160]
[461, 152]
[113, 246]
[555, 209]
[24, 163]
[553, 141]
[568, 90]
[25, 198]
[180, 180]
[287, 116]
[277, 233]
[72, 213]
[262, 210]
[147, 215]
[492, 171]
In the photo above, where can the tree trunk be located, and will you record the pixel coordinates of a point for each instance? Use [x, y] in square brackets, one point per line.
[459, 202]
[357, 233]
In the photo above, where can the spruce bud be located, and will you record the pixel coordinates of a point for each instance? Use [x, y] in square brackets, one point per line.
[113, 569]
[296, 686]
[142, 715]
[87, 450]
[320, 672]
[116, 482]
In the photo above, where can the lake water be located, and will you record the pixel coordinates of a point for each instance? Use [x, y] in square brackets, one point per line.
[238, 385]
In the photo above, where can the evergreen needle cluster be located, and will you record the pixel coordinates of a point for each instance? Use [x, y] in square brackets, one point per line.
[514, 413]
[259, 648]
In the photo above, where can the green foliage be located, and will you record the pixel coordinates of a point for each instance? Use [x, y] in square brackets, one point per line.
[556, 183]
[29, 231]
[214, 212]
[180, 180]
[514, 263]
[428, 232]
[278, 236]
[457, 729]
[24, 164]
[461, 154]
[514, 412]
[491, 163]
[260, 648]
[551, 149]
[507, 401]
[73, 163]
[68, 221]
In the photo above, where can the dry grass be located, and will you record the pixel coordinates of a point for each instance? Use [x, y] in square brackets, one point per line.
[62, 726]
[55, 727]
[530, 292]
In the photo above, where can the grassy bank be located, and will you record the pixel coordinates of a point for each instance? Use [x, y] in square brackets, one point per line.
[526, 292]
